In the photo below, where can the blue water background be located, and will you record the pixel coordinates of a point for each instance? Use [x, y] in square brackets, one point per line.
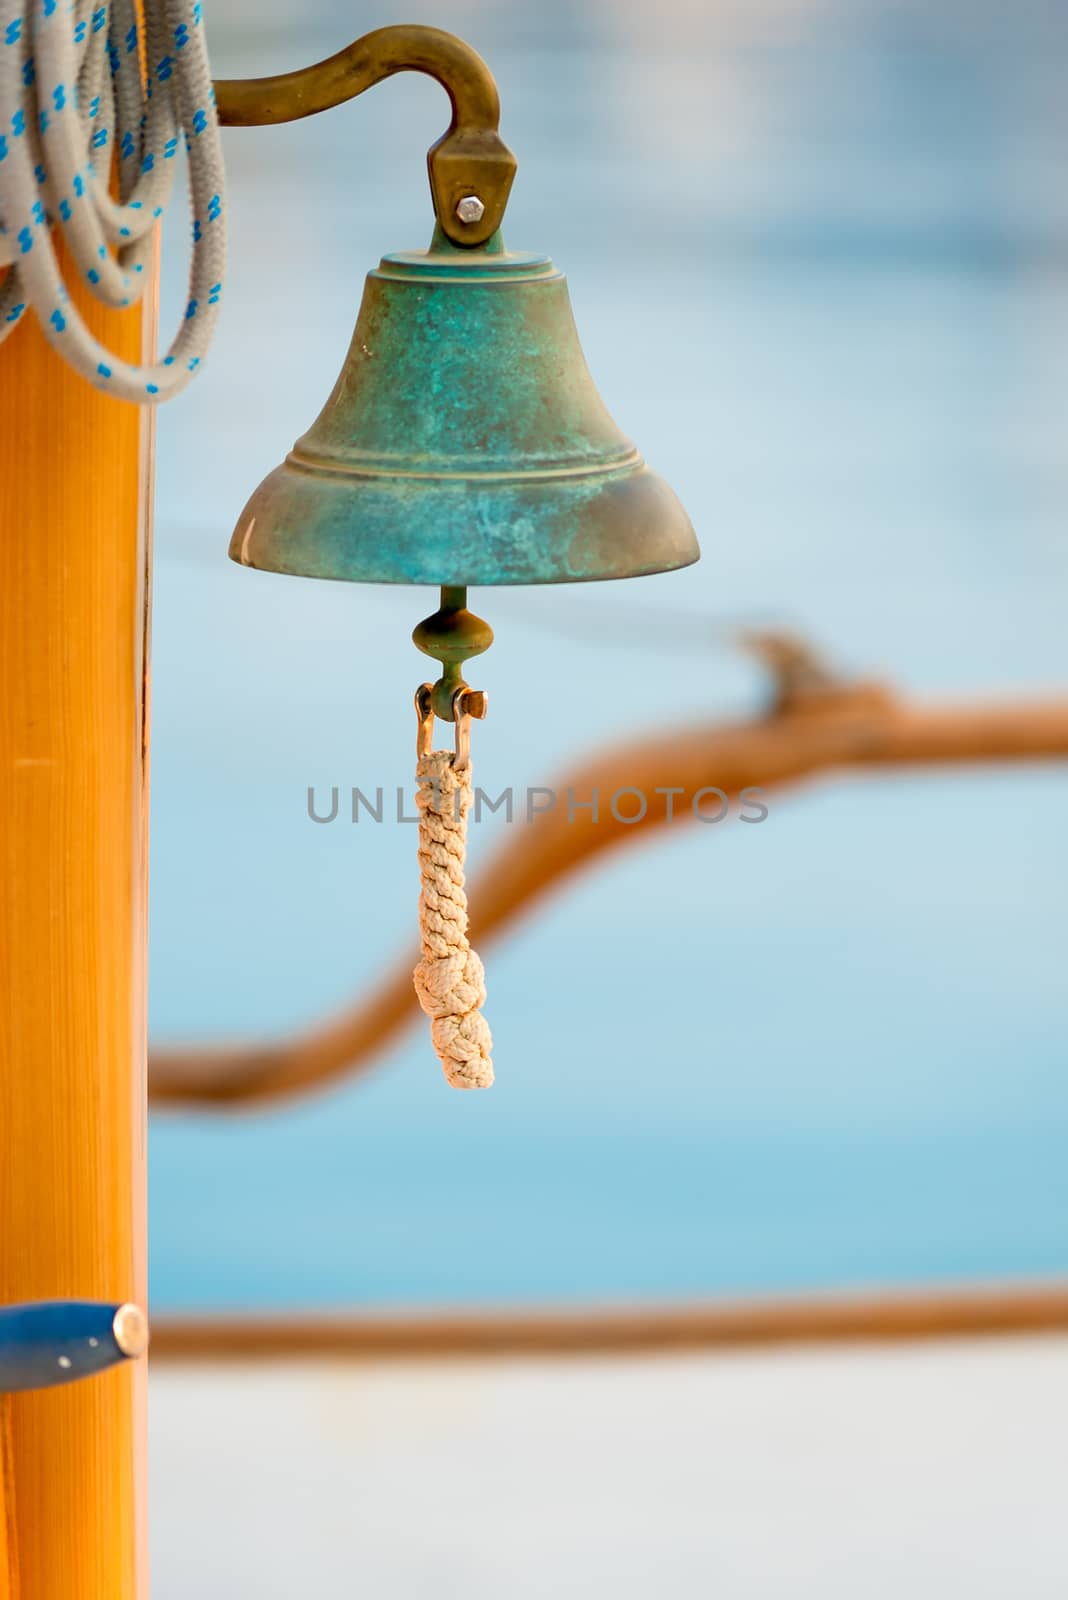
[819, 259]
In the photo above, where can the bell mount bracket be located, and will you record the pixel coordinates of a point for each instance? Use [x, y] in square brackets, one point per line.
[469, 163]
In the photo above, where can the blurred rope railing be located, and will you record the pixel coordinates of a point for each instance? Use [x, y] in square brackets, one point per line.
[818, 724]
[987, 1312]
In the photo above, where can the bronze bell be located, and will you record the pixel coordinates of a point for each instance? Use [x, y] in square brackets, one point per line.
[464, 443]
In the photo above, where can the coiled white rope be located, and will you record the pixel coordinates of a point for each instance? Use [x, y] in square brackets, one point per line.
[70, 92]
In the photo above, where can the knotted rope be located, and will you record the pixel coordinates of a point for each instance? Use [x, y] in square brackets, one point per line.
[449, 980]
[72, 103]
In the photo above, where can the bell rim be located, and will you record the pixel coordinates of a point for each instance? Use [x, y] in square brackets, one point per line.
[609, 525]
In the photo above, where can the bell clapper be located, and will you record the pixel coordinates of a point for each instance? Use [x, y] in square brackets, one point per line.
[451, 636]
[449, 980]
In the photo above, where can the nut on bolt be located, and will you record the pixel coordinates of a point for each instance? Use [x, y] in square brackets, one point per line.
[470, 208]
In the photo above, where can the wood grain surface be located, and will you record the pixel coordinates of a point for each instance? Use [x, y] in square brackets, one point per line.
[74, 518]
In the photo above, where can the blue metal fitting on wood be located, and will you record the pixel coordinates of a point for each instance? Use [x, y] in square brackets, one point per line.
[56, 1341]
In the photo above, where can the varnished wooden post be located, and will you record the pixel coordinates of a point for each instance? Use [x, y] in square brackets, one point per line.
[74, 544]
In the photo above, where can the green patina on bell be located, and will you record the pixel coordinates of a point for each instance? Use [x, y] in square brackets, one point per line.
[464, 443]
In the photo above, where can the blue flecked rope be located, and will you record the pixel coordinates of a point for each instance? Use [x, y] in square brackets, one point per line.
[70, 90]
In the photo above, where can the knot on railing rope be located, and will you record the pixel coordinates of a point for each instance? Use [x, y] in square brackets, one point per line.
[449, 980]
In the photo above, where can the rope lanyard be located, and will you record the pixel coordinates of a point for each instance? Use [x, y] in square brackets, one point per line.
[449, 980]
[71, 94]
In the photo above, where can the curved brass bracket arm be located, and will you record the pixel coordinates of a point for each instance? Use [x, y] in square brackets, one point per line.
[470, 162]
